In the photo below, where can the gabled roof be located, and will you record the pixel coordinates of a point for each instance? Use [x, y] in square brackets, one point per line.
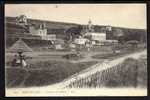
[20, 45]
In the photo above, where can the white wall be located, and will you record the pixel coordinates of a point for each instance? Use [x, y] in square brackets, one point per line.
[49, 37]
[97, 36]
[40, 32]
[80, 41]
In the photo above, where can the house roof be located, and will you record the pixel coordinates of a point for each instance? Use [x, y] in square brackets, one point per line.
[20, 45]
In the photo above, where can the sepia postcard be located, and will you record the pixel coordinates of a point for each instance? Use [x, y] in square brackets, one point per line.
[75, 50]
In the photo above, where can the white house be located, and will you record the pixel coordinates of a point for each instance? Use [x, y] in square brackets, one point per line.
[112, 41]
[41, 30]
[96, 36]
[72, 45]
[49, 37]
[80, 41]
[58, 47]
[38, 30]
[59, 44]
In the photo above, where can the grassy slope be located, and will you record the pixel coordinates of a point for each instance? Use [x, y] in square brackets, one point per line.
[130, 73]
[126, 74]
[60, 27]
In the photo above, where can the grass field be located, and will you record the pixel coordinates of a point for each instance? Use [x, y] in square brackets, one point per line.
[49, 67]
[111, 55]
[130, 73]
[50, 72]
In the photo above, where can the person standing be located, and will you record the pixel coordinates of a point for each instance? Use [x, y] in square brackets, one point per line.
[24, 64]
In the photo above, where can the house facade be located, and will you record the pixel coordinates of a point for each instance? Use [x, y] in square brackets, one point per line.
[93, 36]
[41, 31]
[96, 36]
[38, 30]
[80, 41]
[49, 37]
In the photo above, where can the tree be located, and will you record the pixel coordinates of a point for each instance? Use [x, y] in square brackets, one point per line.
[133, 43]
[118, 33]
[73, 32]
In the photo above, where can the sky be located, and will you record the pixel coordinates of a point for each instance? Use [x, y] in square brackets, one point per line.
[122, 15]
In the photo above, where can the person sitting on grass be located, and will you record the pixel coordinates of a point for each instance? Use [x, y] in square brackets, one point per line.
[19, 62]
[14, 61]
